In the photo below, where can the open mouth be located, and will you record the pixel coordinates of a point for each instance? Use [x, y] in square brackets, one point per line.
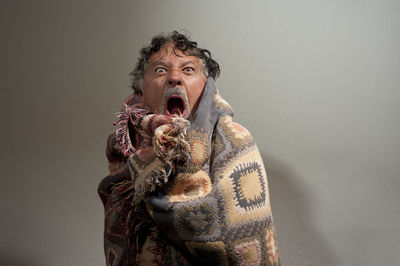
[176, 105]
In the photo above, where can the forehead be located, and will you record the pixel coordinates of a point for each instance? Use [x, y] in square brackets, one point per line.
[168, 53]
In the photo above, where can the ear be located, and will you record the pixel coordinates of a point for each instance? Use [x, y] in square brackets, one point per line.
[140, 95]
[138, 88]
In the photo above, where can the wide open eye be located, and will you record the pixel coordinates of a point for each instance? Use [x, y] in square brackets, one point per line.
[160, 70]
[188, 69]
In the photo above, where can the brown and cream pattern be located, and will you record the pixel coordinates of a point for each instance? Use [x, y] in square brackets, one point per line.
[209, 206]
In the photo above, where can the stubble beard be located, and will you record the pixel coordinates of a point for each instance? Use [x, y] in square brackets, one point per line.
[176, 95]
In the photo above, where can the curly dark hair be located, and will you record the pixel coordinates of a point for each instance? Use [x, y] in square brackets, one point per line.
[181, 42]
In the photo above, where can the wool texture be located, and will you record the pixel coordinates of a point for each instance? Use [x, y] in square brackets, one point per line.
[182, 193]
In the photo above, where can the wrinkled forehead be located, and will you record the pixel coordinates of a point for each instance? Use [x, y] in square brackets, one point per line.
[170, 52]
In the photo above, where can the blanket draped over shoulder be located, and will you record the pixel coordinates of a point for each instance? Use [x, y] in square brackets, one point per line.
[182, 193]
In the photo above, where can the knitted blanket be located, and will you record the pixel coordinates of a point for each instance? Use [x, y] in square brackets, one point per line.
[182, 193]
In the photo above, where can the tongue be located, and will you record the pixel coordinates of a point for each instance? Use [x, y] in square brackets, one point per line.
[175, 110]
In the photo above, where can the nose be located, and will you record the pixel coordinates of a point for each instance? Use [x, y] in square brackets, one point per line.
[174, 78]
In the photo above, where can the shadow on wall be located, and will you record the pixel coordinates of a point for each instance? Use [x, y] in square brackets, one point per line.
[298, 240]
[19, 240]
[18, 260]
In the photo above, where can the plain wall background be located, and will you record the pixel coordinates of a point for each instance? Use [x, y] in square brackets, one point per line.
[316, 82]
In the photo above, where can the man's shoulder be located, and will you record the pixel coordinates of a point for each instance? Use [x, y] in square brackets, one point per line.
[228, 131]
[131, 100]
[231, 127]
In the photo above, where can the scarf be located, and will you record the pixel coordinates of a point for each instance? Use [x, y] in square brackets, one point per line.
[182, 193]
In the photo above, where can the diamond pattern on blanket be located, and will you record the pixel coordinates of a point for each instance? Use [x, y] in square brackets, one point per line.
[272, 246]
[190, 186]
[197, 151]
[199, 146]
[213, 251]
[248, 252]
[238, 135]
[198, 220]
[245, 188]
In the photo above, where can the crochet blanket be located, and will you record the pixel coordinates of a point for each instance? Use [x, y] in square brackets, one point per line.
[182, 193]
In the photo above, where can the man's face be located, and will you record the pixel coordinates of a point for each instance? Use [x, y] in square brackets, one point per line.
[173, 84]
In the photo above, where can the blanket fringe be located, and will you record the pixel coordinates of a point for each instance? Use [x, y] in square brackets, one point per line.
[133, 115]
[158, 177]
[169, 144]
[169, 140]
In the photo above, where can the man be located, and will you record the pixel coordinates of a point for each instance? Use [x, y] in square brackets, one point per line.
[187, 185]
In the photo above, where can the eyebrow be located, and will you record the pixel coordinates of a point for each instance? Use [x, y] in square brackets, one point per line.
[167, 65]
[188, 62]
[159, 63]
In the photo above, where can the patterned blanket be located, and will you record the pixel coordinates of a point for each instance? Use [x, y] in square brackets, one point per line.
[183, 193]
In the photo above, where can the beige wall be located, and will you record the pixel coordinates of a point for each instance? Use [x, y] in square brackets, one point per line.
[316, 82]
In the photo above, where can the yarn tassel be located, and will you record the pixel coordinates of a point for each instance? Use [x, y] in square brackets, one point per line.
[133, 115]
